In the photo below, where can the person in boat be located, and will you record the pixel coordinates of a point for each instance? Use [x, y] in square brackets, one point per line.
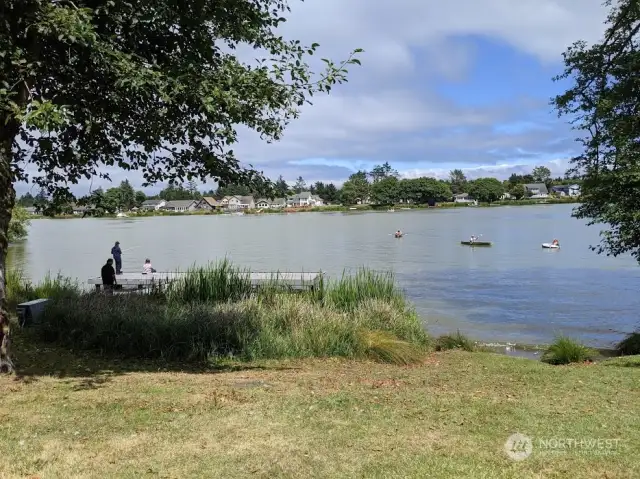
[555, 242]
[147, 268]
[116, 252]
[398, 234]
[473, 239]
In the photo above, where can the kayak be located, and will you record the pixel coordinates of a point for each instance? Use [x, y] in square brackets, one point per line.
[550, 246]
[398, 236]
[476, 243]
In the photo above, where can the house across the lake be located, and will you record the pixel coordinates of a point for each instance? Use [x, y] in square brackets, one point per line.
[209, 203]
[33, 211]
[276, 203]
[464, 198]
[536, 190]
[303, 199]
[153, 205]
[180, 206]
[566, 190]
[238, 203]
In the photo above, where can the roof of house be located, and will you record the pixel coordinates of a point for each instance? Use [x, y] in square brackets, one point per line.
[537, 186]
[179, 203]
[211, 201]
[275, 201]
[461, 195]
[152, 202]
[245, 199]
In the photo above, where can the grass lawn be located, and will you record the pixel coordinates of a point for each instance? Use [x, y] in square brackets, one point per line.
[70, 415]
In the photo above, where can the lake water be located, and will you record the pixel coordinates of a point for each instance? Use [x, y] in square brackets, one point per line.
[515, 291]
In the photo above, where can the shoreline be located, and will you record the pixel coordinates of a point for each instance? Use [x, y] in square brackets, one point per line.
[323, 209]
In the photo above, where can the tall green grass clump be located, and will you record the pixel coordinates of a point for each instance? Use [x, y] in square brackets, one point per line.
[566, 351]
[630, 345]
[214, 283]
[454, 341]
[20, 289]
[347, 293]
[291, 327]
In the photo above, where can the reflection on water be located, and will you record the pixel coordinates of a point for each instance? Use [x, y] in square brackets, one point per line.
[17, 256]
[514, 291]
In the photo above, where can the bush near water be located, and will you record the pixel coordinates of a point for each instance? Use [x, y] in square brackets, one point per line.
[213, 312]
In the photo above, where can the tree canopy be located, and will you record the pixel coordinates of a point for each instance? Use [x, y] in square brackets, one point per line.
[486, 189]
[149, 86]
[603, 103]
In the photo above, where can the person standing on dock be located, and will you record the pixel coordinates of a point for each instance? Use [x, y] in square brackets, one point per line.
[108, 275]
[116, 252]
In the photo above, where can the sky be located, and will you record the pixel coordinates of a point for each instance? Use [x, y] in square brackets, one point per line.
[455, 84]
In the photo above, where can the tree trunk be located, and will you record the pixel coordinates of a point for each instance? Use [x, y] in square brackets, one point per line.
[7, 200]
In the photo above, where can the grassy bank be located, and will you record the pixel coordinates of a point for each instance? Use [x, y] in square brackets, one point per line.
[214, 313]
[72, 414]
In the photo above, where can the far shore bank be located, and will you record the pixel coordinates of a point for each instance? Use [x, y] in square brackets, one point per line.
[324, 209]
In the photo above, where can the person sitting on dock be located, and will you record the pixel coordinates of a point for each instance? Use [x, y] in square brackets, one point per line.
[108, 276]
[147, 268]
[117, 257]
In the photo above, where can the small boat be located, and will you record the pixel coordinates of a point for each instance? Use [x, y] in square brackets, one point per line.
[121, 215]
[550, 246]
[390, 210]
[476, 243]
[398, 236]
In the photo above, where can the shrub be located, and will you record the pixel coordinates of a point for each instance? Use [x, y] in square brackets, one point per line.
[565, 351]
[630, 345]
[454, 341]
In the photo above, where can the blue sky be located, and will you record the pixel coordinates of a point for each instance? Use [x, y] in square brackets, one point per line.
[456, 84]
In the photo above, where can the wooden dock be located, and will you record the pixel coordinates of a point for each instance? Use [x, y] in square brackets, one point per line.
[296, 281]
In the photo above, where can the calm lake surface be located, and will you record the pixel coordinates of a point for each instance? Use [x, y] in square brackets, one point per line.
[514, 291]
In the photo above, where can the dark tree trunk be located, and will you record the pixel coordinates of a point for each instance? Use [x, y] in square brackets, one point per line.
[7, 200]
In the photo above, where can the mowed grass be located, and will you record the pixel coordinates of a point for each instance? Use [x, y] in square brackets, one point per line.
[448, 417]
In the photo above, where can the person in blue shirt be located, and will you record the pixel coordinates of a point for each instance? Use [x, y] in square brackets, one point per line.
[117, 257]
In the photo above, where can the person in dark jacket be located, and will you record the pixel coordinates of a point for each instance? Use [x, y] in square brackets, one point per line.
[117, 257]
[108, 276]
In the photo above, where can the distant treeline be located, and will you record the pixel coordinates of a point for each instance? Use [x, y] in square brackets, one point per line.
[382, 185]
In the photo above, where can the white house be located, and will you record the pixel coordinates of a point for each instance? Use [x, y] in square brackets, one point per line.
[153, 205]
[537, 190]
[180, 205]
[276, 203]
[566, 190]
[464, 198]
[304, 199]
[238, 202]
